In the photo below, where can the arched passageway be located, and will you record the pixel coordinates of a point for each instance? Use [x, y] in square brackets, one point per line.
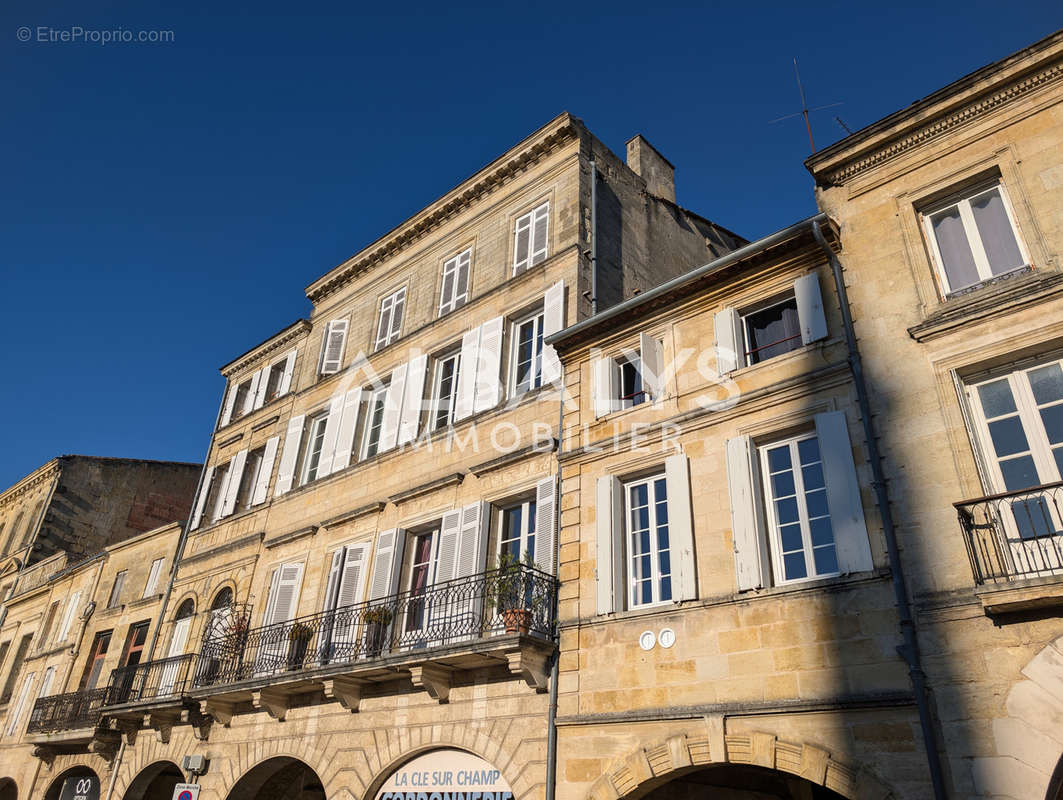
[8, 790]
[739, 782]
[281, 778]
[155, 782]
[83, 781]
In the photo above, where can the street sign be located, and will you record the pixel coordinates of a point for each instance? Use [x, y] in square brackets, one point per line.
[81, 788]
[186, 791]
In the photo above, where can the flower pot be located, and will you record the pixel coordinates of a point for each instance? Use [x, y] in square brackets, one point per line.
[517, 620]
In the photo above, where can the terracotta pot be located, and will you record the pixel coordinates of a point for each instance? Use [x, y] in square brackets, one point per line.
[518, 620]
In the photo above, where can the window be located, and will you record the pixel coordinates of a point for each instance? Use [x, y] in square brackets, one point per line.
[516, 535]
[97, 655]
[771, 331]
[974, 238]
[134, 649]
[49, 620]
[274, 380]
[68, 616]
[315, 442]
[527, 353]
[629, 379]
[249, 478]
[4, 647]
[649, 552]
[529, 238]
[216, 494]
[332, 344]
[374, 421]
[153, 577]
[444, 390]
[241, 402]
[20, 703]
[116, 590]
[389, 325]
[629, 375]
[422, 575]
[455, 289]
[16, 667]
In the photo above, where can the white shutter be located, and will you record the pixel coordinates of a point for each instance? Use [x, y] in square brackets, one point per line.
[289, 370]
[46, 682]
[332, 429]
[553, 321]
[386, 563]
[447, 554]
[608, 563]
[472, 543]
[332, 346]
[489, 366]
[168, 677]
[263, 384]
[389, 427]
[540, 226]
[201, 501]
[286, 472]
[285, 600]
[652, 364]
[810, 308]
[352, 404]
[546, 525]
[250, 403]
[271, 598]
[350, 592]
[522, 243]
[603, 385]
[265, 471]
[68, 616]
[335, 570]
[466, 390]
[23, 695]
[232, 487]
[747, 528]
[230, 401]
[410, 420]
[153, 577]
[730, 343]
[843, 493]
[680, 528]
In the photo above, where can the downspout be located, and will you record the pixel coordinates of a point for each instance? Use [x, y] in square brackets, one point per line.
[594, 248]
[551, 715]
[910, 649]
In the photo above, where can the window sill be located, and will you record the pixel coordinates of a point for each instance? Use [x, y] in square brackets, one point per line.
[145, 601]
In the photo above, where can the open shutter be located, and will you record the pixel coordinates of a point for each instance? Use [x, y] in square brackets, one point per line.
[730, 344]
[332, 429]
[652, 364]
[333, 584]
[289, 370]
[153, 578]
[843, 493]
[466, 395]
[603, 388]
[546, 525]
[386, 563]
[522, 243]
[489, 366]
[352, 404]
[46, 682]
[680, 528]
[344, 635]
[389, 427]
[609, 520]
[540, 225]
[810, 308]
[280, 608]
[553, 321]
[286, 472]
[447, 553]
[413, 400]
[287, 593]
[250, 402]
[263, 384]
[472, 544]
[201, 501]
[230, 401]
[232, 487]
[350, 588]
[265, 471]
[747, 529]
[68, 616]
[332, 346]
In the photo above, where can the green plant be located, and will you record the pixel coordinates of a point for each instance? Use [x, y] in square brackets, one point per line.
[380, 615]
[511, 585]
[300, 632]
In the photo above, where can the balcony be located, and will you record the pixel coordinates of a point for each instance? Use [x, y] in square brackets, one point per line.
[70, 723]
[1015, 544]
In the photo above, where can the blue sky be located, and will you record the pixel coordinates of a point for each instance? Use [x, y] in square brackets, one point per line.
[166, 204]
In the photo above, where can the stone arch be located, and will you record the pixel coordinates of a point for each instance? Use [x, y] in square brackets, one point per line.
[387, 769]
[55, 785]
[278, 774]
[8, 789]
[650, 766]
[147, 750]
[155, 782]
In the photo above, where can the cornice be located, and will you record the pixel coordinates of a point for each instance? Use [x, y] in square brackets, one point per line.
[32, 481]
[271, 345]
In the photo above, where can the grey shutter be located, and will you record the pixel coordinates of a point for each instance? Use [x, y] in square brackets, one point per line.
[608, 555]
[413, 399]
[843, 493]
[265, 471]
[553, 321]
[232, 486]
[540, 227]
[328, 442]
[546, 525]
[230, 401]
[466, 389]
[730, 343]
[350, 589]
[389, 427]
[680, 528]
[447, 554]
[352, 404]
[332, 346]
[747, 528]
[651, 362]
[489, 365]
[603, 385]
[68, 616]
[334, 571]
[286, 472]
[387, 562]
[289, 370]
[263, 384]
[201, 501]
[810, 308]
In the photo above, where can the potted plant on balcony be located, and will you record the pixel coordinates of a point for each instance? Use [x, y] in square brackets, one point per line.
[511, 591]
[377, 619]
[299, 636]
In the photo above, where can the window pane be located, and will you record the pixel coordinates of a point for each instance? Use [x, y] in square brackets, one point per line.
[996, 398]
[786, 510]
[1019, 473]
[821, 532]
[954, 248]
[773, 331]
[1052, 419]
[1008, 436]
[994, 227]
[1046, 383]
[782, 484]
[790, 536]
[812, 476]
[794, 566]
[817, 503]
[779, 458]
[826, 560]
[808, 450]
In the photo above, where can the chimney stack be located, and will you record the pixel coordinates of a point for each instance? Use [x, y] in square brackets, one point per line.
[655, 169]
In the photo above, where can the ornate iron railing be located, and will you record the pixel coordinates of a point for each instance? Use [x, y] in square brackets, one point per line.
[1014, 534]
[67, 712]
[152, 680]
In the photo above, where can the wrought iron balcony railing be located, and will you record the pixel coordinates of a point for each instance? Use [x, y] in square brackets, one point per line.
[1014, 534]
[68, 712]
[152, 680]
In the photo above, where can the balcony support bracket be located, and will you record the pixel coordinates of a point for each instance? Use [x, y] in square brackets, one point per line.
[129, 728]
[200, 722]
[221, 711]
[434, 679]
[162, 722]
[45, 753]
[346, 691]
[533, 666]
[272, 702]
[105, 743]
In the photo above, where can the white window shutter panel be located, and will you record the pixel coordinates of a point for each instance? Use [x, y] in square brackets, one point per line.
[263, 384]
[681, 526]
[413, 401]
[290, 455]
[522, 243]
[252, 393]
[652, 360]
[843, 493]
[230, 401]
[387, 561]
[332, 430]
[553, 321]
[232, 487]
[352, 404]
[489, 366]
[747, 529]
[289, 370]
[447, 553]
[472, 543]
[389, 426]
[287, 596]
[332, 346]
[265, 471]
[350, 590]
[608, 563]
[68, 616]
[271, 598]
[730, 344]
[466, 394]
[334, 578]
[540, 228]
[545, 554]
[810, 308]
[201, 501]
[602, 386]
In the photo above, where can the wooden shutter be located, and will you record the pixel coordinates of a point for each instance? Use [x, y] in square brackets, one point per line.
[540, 229]
[747, 528]
[609, 551]
[230, 401]
[843, 493]
[332, 346]
[389, 427]
[265, 471]
[447, 554]
[334, 573]
[522, 243]
[603, 385]
[352, 404]
[651, 361]
[553, 321]
[466, 389]
[232, 487]
[153, 578]
[289, 370]
[489, 366]
[350, 588]
[201, 501]
[730, 343]
[328, 442]
[681, 528]
[68, 616]
[250, 403]
[263, 384]
[285, 600]
[413, 400]
[387, 561]
[286, 472]
[810, 308]
[545, 554]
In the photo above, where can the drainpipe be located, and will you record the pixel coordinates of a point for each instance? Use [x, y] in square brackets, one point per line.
[551, 716]
[594, 247]
[910, 649]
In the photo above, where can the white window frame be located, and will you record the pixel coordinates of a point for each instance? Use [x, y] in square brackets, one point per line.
[628, 550]
[152, 583]
[219, 480]
[962, 201]
[375, 396]
[315, 426]
[536, 318]
[536, 255]
[747, 355]
[527, 533]
[437, 378]
[386, 330]
[343, 325]
[240, 403]
[249, 478]
[278, 367]
[634, 360]
[453, 268]
[114, 600]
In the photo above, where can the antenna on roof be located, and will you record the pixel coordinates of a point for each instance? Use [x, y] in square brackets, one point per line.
[844, 126]
[805, 110]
